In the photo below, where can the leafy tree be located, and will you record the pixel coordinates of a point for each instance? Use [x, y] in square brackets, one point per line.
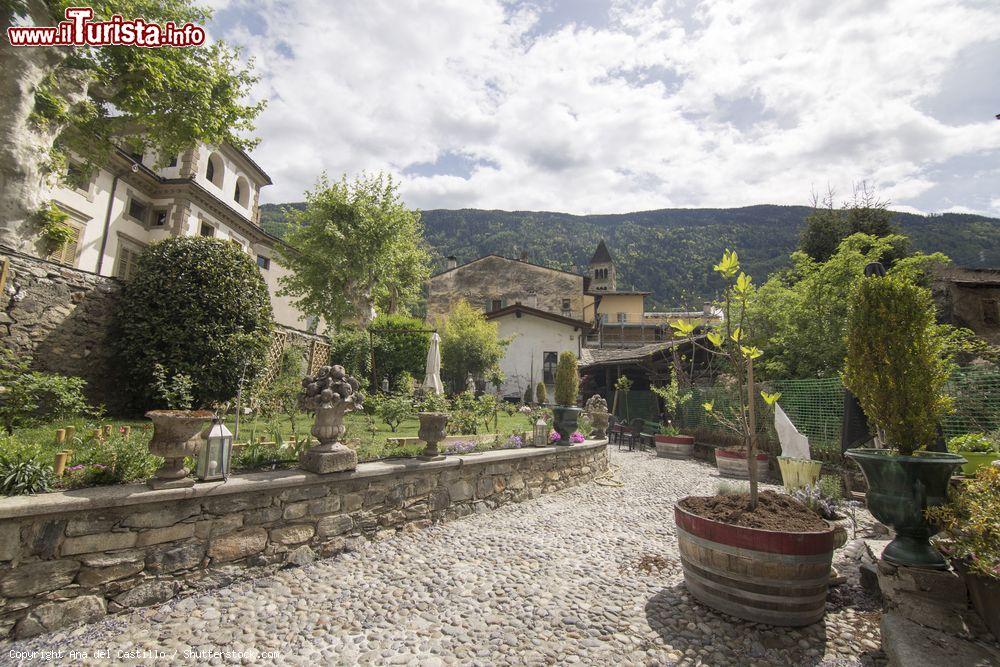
[351, 348]
[56, 101]
[400, 346]
[865, 213]
[353, 248]
[469, 345]
[393, 410]
[541, 393]
[196, 306]
[801, 314]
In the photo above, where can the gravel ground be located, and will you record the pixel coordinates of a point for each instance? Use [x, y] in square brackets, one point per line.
[589, 575]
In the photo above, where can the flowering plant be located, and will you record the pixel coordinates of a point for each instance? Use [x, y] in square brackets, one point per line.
[576, 437]
[460, 447]
[554, 436]
[515, 442]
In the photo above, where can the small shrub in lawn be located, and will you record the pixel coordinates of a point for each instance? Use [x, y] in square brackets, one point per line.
[32, 397]
[21, 470]
[119, 459]
[393, 410]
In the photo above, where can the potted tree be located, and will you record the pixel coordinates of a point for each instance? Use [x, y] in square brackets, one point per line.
[896, 366]
[763, 557]
[972, 540]
[977, 449]
[670, 442]
[566, 415]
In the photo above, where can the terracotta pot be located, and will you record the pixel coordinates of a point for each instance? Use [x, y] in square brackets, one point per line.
[734, 464]
[674, 446]
[764, 576]
[176, 434]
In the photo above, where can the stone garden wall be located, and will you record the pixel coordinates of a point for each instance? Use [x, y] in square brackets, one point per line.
[79, 555]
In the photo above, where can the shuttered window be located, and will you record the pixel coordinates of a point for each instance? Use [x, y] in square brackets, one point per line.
[66, 253]
[128, 258]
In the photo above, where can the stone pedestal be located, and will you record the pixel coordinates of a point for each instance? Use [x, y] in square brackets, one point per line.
[324, 459]
[936, 599]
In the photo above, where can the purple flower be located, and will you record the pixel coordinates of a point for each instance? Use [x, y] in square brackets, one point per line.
[554, 436]
[460, 447]
[515, 442]
[576, 437]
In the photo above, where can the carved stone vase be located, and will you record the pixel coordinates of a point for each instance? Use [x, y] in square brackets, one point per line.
[432, 431]
[599, 420]
[176, 434]
[330, 455]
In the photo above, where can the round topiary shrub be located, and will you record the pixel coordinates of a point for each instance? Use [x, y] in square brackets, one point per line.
[195, 306]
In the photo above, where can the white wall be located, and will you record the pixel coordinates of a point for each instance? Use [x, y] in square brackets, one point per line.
[533, 336]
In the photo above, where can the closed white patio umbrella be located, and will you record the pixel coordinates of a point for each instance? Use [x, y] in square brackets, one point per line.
[432, 377]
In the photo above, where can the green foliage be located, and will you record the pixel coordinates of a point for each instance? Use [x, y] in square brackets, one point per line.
[831, 487]
[765, 235]
[973, 442]
[401, 344]
[164, 99]
[30, 397]
[801, 314]
[528, 395]
[199, 307]
[465, 415]
[669, 429]
[173, 390]
[827, 227]
[257, 455]
[895, 363]
[496, 377]
[355, 246]
[21, 470]
[972, 522]
[672, 396]
[428, 401]
[54, 231]
[541, 394]
[469, 345]
[119, 459]
[281, 396]
[567, 379]
[351, 347]
[394, 409]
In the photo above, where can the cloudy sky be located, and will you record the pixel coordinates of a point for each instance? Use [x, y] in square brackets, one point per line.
[593, 106]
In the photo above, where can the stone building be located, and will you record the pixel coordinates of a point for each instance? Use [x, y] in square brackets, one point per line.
[494, 282]
[969, 298]
[130, 202]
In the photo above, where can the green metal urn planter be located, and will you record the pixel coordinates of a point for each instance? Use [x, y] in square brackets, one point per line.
[565, 420]
[900, 488]
[976, 460]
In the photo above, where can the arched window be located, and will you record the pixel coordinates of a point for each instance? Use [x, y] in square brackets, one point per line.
[215, 171]
[241, 195]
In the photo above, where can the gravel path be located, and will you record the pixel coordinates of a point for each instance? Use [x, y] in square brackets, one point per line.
[589, 575]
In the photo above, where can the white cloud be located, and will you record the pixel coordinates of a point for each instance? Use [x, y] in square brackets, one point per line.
[735, 102]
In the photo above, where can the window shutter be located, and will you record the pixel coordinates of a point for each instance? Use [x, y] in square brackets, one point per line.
[126, 262]
[488, 305]
[66, 253]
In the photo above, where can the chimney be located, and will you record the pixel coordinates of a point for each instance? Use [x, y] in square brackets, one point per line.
[452, 261]
[524, 255]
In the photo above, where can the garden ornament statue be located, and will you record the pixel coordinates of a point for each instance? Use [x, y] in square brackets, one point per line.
[597, 409]
[470, 384]
[332, 393]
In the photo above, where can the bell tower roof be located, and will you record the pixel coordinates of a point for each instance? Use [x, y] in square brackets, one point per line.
[601, 255]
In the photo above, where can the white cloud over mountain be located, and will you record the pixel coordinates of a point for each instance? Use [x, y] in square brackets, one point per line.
[630, 104]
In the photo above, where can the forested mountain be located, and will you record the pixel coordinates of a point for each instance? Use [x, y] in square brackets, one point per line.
[670, 252]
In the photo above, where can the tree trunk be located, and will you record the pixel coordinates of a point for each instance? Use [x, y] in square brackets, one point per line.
[752, 444]
[25, 147]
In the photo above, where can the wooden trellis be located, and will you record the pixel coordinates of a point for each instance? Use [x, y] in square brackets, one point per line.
[278, 341]
[319, 355]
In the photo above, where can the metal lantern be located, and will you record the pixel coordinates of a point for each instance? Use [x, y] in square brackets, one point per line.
[213, 460]
[540, 433]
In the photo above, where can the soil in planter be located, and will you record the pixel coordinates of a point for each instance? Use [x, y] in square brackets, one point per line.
[775, 511]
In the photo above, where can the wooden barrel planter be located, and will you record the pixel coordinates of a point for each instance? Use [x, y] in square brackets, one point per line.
[674, 446]
[762, 576]
[734, 464]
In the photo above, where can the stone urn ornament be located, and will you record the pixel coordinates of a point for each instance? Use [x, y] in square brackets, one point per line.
[432, 431]
[332, 393]
[597, 409]
[176, 434]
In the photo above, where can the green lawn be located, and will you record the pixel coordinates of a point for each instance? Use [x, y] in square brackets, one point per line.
[371, 437]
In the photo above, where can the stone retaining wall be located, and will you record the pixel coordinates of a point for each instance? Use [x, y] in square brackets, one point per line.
[75, 556]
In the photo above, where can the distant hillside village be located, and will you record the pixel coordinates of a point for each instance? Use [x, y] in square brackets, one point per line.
[545, 311]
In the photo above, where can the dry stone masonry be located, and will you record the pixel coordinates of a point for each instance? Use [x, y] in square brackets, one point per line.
[74, 557]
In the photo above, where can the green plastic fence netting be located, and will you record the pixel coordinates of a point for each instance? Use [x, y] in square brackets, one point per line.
[816, 406]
